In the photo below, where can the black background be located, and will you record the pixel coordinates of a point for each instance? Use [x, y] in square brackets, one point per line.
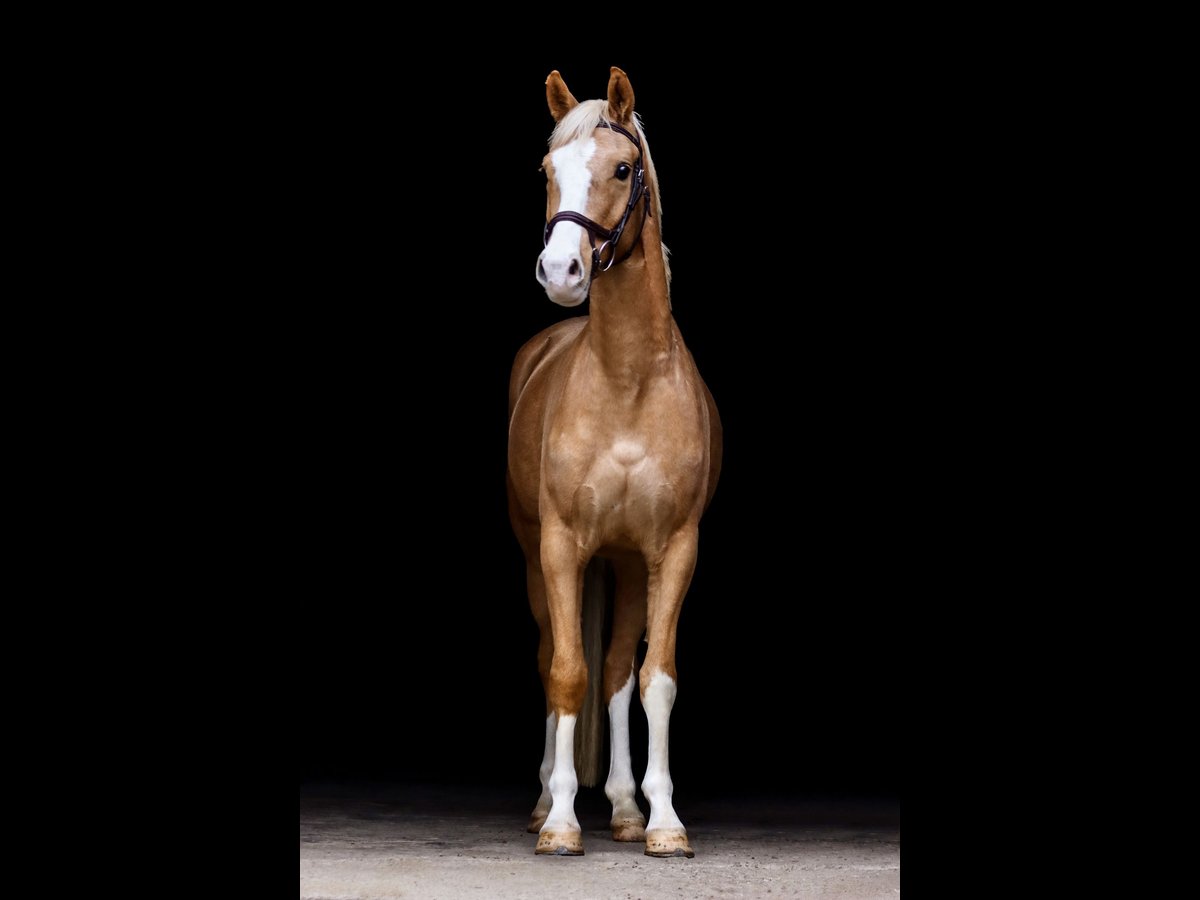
[799, 224]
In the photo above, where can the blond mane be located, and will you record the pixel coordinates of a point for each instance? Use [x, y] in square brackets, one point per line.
[580, 122]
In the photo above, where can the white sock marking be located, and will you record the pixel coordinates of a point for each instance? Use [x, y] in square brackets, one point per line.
[563, 782]
[543, 804]
[620, 785]
[658, 699]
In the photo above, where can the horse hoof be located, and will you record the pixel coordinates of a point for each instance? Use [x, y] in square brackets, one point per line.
[535, 824]
[560, 843]
[629, 829]
[668, 842]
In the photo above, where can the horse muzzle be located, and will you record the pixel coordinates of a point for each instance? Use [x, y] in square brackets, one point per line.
[564, 276]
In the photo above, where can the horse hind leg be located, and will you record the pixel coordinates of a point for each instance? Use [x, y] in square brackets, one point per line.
[629, 623]
[542, 808]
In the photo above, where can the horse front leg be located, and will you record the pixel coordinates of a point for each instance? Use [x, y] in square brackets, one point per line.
[670, 576]
[541, 614]
[563, 571]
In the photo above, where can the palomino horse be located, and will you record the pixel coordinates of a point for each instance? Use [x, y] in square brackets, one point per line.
[614, 446]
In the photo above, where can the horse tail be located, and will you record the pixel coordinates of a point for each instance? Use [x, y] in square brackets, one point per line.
[589, 727]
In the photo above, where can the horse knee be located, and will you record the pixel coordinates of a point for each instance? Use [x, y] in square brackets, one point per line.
[568, 684]
[657, 686]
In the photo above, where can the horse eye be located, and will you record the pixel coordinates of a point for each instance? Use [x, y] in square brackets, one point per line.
[623, 171]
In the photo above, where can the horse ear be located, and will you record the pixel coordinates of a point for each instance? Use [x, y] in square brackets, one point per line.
[620, 96]
[558, 98]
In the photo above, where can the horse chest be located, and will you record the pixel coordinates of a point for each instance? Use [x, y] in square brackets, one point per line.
[616, 490]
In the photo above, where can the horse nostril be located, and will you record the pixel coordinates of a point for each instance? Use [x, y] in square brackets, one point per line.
[541, 271]
[573, 269]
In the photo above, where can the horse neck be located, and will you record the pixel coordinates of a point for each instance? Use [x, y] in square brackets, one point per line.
[630, 329]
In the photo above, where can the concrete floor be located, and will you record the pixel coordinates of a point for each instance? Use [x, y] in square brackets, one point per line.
[450, 843]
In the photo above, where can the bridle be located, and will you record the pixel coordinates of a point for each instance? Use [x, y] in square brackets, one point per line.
[610, 237]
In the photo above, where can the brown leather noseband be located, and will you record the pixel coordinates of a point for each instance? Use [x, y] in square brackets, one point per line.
[610, 237]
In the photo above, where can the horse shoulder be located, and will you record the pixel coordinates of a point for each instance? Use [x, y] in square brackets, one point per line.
[538, 350]
[708, 422]
[532, 374]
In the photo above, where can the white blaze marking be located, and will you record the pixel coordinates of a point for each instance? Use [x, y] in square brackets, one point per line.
[574, 180]
[543, 804]
[658, 699]
[620, 785]
[563, 782]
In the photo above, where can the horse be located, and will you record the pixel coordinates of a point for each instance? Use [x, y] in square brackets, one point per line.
[614, 449]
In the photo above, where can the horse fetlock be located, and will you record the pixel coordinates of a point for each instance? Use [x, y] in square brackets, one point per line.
[658, 787]
[619, 790]
[563, 783]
